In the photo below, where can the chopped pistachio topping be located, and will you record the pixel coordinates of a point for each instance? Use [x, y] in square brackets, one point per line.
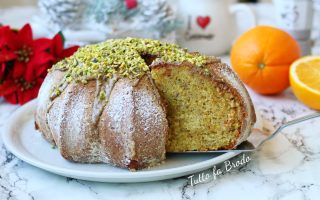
[102, 96]
[56, 91]
[123, 57]
[206, 72]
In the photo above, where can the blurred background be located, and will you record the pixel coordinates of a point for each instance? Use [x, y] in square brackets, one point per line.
[8, 3]
[171, 20]
[211, 27]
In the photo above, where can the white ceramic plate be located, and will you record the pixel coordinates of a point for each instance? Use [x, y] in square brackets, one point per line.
[21, 138]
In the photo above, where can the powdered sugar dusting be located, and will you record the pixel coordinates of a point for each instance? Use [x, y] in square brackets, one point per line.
[44, 103]
[150, 120]
[71, 124]
[120, 110]
[131, 110]
[99, 104]
[153, 118]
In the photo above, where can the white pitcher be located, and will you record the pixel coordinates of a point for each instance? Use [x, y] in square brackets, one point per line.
[209, 25]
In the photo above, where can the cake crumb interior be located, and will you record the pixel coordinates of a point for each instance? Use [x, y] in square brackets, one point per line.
[200, 116]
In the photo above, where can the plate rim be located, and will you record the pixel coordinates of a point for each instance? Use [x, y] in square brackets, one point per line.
[162, 174]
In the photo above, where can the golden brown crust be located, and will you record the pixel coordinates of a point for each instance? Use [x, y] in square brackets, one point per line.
[239, 92]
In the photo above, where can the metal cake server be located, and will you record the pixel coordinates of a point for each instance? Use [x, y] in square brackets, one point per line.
[258, 138]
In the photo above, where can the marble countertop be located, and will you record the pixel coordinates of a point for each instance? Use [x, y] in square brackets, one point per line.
[287, 167]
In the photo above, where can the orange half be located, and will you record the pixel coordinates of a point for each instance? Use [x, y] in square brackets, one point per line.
[305, 80]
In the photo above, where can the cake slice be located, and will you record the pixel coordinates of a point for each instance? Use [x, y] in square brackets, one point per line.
[208, 108]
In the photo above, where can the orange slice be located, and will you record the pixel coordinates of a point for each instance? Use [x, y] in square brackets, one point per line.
[305, 80]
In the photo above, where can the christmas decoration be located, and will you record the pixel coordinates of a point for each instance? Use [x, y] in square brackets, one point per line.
[24, 62]
[112, 18]
[62, 13]
[131, 4]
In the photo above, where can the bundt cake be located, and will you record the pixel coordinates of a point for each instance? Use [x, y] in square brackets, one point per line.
[127, 102]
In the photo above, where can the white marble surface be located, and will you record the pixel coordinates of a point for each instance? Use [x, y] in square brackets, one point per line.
[286, 168]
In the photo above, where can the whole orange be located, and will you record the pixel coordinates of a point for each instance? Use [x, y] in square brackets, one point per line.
[262, 58]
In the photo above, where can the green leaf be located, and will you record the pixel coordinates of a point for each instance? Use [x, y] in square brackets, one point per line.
[62, 36]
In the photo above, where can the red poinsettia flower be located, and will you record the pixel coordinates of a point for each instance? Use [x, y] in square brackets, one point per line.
[57, 49]
[2, 71]
[20, 91]
[5, 54]
[4, 33]
[31, 54]
[5, 36]
[24, 62]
